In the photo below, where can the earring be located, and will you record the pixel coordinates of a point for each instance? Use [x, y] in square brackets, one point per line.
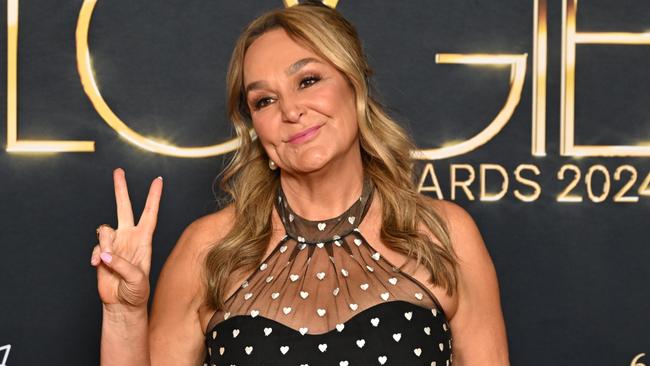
[272, 165]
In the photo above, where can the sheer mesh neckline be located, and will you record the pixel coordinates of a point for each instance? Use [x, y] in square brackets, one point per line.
[328, 230]
[322, 274]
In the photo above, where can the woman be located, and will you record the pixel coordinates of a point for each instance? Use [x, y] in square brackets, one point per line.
[327, 254]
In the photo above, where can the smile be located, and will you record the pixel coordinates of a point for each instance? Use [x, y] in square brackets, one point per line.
[304, 135]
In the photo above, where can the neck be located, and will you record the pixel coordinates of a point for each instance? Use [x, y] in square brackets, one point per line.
[325, 193]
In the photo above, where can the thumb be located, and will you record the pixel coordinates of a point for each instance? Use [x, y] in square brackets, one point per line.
[129, 272]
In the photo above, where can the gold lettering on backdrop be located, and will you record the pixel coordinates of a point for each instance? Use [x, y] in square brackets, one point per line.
[572, 174]
[537, 189]
[620, 195]
[27, 146]
[484, 196]
[564, 195]
[517, 63]
[464, 184]
[644, 188]
[635, 360]
[330, 3]
[571, 38]
[540, 52]
[589, 182]
[429, 171]
[84, 64]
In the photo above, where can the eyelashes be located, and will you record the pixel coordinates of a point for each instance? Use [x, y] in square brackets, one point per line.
[305, 82]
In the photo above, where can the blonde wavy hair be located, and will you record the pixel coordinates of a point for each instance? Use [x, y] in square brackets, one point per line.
[408, 219]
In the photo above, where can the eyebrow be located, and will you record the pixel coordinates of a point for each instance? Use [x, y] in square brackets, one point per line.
[290, 71]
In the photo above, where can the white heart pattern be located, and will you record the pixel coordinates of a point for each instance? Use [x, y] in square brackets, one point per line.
[392, 281]
[303, 330]
[286, 310]
[384, 295]
[427, 330]
[417, 351]
[248, 295]
[222, 350]
[353, 307]
[321, 226]
[361, 343]
[408, 315]
[321, 312]
[284, 349]
[336, 291]
[397, 336]
[235, 333]
[364, 286]
[343, 363]
[418, 295]
[344, 272]
[283, 249]
[269, 279]
[382, 359]
[320, 245]
[340, 326]
[255, 313]
[357, 242]
[275, 295]
[374, 322]
[320, 275]
[248, 349]
[322, 347]
[304, 294]
[294, 277]
[267, 331]
[441, 346]
[376, 256]
[351, 220]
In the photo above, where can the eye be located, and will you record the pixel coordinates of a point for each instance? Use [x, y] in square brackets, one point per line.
[262, 102]
[309, 81]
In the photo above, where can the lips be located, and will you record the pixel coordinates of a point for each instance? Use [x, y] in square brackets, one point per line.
[303, 135]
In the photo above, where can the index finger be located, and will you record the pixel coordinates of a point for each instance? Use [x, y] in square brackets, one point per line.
[124, 210]
[149, 215]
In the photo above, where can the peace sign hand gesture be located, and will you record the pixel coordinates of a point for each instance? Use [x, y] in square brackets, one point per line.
[123, 255]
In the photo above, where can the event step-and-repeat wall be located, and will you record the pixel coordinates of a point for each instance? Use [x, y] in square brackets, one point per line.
[531, 114]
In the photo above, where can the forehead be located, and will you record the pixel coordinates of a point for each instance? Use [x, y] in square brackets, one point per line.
[273, 52]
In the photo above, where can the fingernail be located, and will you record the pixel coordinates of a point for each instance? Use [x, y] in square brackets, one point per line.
[159, 177]
[106, 257]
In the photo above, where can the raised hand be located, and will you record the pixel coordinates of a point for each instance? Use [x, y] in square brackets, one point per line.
[123, 255]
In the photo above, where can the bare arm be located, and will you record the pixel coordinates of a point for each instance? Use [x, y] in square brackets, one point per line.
[175, 331]
[478, 327]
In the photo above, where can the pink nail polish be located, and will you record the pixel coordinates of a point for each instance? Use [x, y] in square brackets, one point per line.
[106, 257]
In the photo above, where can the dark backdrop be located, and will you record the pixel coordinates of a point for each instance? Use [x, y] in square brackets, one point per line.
[573, 275]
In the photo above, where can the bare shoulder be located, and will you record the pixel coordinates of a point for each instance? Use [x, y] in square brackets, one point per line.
[465, 236]
[206, 229]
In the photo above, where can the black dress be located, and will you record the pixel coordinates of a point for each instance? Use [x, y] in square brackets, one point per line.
[324, 296]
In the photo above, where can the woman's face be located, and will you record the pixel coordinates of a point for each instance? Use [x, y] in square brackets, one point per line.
[303, 109]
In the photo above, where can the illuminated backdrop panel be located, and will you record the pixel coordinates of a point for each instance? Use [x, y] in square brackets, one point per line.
[533, 115]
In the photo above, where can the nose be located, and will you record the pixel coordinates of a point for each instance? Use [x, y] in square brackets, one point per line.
[292, 110]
